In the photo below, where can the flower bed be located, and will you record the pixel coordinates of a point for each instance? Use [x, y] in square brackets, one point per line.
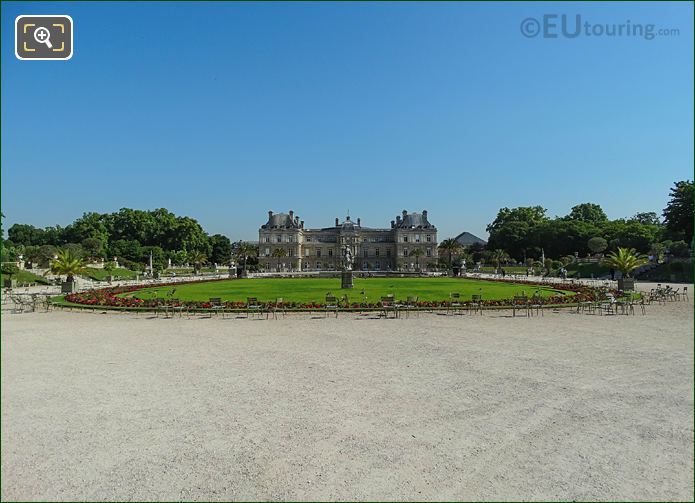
[111, 298]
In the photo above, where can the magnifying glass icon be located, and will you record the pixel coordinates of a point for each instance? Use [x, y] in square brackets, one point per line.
[43, 36]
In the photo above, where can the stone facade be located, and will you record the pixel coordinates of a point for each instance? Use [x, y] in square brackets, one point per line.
[286, 245]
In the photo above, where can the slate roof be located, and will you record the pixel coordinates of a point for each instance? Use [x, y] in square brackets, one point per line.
[467, 239]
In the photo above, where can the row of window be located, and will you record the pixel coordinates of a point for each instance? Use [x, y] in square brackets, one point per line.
[365, 252]
[282, 238]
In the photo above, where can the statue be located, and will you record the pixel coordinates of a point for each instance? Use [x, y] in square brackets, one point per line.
[346, 275]
[347, 258]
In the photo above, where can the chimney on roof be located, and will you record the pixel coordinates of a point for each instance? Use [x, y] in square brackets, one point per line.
[398, 220]
[301, 224]
[270, 214]
[404, 213]
[358, 222]
[424, 213]
[336, 221]
[291, 215]
[393, 224]
[296, 220]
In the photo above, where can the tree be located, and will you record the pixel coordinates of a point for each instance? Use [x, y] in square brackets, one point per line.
[625, 260]
[279, 253]
[94, 247]
[198, 260]
[221, 249]
[27, 235]
[417, 253]
[679, 249]
[243, 251]
[588, 212]
[40, 255]
[678, 214]
[527, 214]
[449, 247]
[68, 263]
[597, 244]
[499, 257]
[646, 218]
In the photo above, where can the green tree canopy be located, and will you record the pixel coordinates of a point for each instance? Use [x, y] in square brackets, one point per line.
[678, 214]
[588, 212]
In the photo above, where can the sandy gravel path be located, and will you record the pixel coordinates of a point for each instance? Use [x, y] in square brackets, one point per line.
[567, 406]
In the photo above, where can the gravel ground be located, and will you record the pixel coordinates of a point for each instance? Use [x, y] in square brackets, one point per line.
[566, 406]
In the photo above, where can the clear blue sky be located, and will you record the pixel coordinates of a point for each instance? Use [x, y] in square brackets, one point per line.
[222, 111]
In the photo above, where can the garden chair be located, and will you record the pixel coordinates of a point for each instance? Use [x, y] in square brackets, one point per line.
[675, 295]
[520, 302]
[607, 306]
[388, 304]
[180, 309]
[454, 303]
[331, 305]
[476, 304]
[216, 306]
[278, 306]
[253, 306]
[684, 295]
[411, 305]
[536, 303]
[161, 307]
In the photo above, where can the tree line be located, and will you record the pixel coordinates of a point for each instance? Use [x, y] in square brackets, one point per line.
[128, 234]
[528, 232]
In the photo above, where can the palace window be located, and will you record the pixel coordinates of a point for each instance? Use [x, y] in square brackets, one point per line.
[429, 252]
[330, 252]
[366, 252]
[405, 252]
[306, 252]
[417, 238]
[388, 252]
[267, 252]
[318, 265]
[429, 238]
[376, 252]
[290, 253]
[267, 239]
[278, 239]
[405, 239]
[318, 252]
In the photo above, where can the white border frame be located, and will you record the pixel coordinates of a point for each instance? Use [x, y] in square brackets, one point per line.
[72, 36]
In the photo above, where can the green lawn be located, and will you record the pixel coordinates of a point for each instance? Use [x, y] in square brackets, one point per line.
[24, 277]
[315, 289]
[586, 269]
[101, 274]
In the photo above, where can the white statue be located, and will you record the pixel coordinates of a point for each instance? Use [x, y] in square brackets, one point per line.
[347, 258]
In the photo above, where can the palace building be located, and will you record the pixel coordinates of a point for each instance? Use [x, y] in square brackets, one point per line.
[286, 245]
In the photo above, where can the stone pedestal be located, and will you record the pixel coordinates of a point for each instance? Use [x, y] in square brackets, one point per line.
[346, 279]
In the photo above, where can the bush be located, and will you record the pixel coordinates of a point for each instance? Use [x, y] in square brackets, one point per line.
[597, 244]
[679, 249]
[677, 267]
[9, 269]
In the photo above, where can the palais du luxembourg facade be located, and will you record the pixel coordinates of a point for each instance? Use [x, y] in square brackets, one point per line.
[285, 244]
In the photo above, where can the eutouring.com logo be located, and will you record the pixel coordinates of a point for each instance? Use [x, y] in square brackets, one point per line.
[564, 26]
